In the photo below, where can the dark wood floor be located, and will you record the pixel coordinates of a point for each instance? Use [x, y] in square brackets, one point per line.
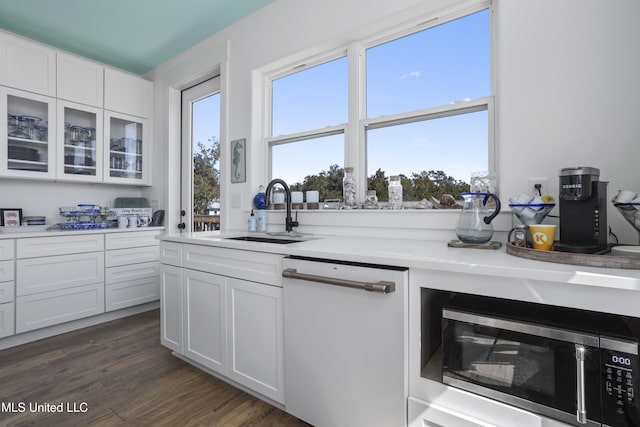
[118, 374]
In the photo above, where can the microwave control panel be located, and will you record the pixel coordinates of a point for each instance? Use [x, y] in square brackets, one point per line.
[620, 405]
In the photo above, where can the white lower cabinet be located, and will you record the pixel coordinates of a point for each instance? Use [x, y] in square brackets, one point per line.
[7, 288]
[58, 279]
[171, 307]
[205, 326]
[132, 269]
[132, 292]
[255, 337]
[43, 309]
[224, 322]
[52, 273]
[7, 324]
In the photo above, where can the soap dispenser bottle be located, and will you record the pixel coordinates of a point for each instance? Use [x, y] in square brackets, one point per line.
[252, 222]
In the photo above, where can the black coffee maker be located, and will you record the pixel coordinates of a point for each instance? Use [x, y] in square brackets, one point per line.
[583, 211]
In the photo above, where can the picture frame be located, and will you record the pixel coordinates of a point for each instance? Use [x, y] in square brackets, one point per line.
[238, 149]
[10, 217]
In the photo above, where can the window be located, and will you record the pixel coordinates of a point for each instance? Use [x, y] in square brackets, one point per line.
[424, 112]
[309, 115]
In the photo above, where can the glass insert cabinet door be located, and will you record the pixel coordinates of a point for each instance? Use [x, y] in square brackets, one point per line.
[27, 134]
[79, 142]
[127, 149]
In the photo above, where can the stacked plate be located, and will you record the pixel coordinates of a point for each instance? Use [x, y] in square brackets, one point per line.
[34, 220]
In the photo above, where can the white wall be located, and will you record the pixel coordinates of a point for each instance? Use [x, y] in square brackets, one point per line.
[43, 198]
[568, 94]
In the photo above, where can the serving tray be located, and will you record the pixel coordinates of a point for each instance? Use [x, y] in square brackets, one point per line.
[587, 260]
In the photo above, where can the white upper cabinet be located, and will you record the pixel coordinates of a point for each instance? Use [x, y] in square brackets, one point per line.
[27, 65]
[79, 145]
[64, 117]
[79, 80]
[126, 93]
[127, 149]
[27, 134]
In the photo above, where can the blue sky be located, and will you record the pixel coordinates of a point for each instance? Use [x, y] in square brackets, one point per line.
[443, 65]
[206, 119]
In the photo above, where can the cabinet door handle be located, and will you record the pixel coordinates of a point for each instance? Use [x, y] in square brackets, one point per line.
[382, 286]
[581, 411]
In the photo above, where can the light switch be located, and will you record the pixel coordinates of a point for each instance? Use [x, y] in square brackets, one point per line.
[236, 201]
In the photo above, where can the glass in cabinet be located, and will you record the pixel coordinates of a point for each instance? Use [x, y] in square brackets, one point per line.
[79, 142]
[27, 135]
[127, 149]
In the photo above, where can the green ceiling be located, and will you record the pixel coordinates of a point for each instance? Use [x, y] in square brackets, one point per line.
[134, 35]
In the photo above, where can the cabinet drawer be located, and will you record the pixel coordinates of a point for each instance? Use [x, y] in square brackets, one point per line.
[132, 239]
[6, 271]
[59, 245]
[134, 292]
[7, 292]
[6, 249]
[51, 308]
[171, 253]
[255, 266]
[36, 275]
[131, 256]
[125, 273]
[7, 325]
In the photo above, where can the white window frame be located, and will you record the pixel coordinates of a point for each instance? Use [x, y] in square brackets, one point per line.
[355, 129]
[290, 69]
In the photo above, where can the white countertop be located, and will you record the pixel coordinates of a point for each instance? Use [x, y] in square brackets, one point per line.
[8, 233]
[430, 255]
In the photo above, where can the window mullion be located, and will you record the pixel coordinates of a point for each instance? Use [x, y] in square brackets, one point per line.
[355, 154]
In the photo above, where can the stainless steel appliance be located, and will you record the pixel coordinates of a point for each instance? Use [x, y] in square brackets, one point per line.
[576, 366]
[583, 211]
[346, 342]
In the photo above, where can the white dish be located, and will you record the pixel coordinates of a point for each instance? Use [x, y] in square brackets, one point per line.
[626, 251]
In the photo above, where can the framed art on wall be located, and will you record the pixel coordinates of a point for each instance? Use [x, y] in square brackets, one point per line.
[239, 160]
[10, 217]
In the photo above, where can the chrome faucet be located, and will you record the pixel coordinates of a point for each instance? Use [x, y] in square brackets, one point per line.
[289, 222]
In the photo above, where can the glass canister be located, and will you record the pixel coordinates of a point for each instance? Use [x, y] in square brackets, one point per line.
[349, 189]
[371, 202]
[395, 192]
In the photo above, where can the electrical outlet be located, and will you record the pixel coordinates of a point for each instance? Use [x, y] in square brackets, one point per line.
[539, 181]
[236, 201]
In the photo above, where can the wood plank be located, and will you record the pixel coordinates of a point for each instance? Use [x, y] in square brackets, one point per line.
[125, 377]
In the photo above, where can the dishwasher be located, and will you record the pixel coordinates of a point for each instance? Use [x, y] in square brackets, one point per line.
[345, 342]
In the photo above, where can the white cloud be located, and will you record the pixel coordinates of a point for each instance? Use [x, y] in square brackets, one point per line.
[411, 75]
[466, 99]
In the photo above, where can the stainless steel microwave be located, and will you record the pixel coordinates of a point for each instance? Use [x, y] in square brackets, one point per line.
[575, 366]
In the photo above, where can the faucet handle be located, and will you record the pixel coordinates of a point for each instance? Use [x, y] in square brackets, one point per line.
[292, 222]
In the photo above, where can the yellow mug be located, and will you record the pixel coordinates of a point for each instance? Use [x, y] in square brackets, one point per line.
[542, 236]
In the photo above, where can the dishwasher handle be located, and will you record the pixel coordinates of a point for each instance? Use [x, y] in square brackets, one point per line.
[382, 286]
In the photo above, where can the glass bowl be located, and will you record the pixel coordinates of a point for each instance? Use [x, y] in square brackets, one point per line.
[531, 213]
[630, 212]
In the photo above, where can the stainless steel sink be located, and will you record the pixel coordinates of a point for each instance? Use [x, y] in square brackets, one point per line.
[265, 239]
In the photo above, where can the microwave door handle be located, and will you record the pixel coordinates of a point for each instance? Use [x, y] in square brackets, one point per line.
[581, 412]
